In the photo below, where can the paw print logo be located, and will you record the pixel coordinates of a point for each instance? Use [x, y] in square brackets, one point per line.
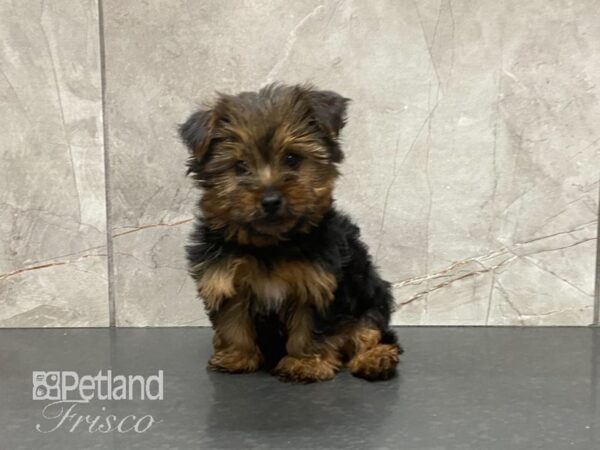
[46, 385]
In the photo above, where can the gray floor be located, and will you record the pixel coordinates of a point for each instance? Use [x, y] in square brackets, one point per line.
[459, 388]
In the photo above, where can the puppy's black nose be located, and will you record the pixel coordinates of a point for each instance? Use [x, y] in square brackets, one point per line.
[271, 202]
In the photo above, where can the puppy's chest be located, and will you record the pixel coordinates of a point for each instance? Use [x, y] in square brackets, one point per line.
[269, 293]
[268, 286]
[273, 286]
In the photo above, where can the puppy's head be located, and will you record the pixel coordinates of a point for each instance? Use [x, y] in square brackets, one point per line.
[266, 160]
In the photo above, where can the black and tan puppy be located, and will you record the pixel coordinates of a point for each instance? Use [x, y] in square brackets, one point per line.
[285, 279]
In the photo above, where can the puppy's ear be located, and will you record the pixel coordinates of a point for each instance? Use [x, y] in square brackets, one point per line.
[329, 113]
[196, 134]
[329, 109]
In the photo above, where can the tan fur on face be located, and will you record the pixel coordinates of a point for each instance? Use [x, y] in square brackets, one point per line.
[261, 137]
[233, 205]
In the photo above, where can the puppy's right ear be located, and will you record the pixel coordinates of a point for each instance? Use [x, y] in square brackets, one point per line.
[196, 134]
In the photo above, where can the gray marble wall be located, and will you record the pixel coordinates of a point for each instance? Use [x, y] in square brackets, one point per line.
[473, 149]
[53, 258]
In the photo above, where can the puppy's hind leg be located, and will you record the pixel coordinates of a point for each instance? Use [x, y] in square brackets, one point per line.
[373, 355]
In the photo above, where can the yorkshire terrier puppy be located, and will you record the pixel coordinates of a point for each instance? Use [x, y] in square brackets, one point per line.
[285, 279]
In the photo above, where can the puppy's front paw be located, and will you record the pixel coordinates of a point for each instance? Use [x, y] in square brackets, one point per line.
[304, 370]
[377, 363]
[234, 361]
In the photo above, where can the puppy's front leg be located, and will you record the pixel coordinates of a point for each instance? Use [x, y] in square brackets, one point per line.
[234, 341]
[307, 359]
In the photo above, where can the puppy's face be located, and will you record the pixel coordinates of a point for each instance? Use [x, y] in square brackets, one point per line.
[266, 160]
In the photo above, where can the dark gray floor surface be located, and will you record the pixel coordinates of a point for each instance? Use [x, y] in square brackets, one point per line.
[458, 388]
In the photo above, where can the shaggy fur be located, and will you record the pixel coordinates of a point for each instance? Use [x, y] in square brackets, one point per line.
[284, 276]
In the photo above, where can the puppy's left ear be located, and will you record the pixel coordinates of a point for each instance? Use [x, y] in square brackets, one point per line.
[196, 134]
[329, 112]
[329, 109]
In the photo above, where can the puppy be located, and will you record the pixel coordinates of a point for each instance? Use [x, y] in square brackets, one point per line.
[285, 279]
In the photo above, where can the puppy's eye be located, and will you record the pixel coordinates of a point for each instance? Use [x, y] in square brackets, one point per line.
[241, 168]
[292, 160]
